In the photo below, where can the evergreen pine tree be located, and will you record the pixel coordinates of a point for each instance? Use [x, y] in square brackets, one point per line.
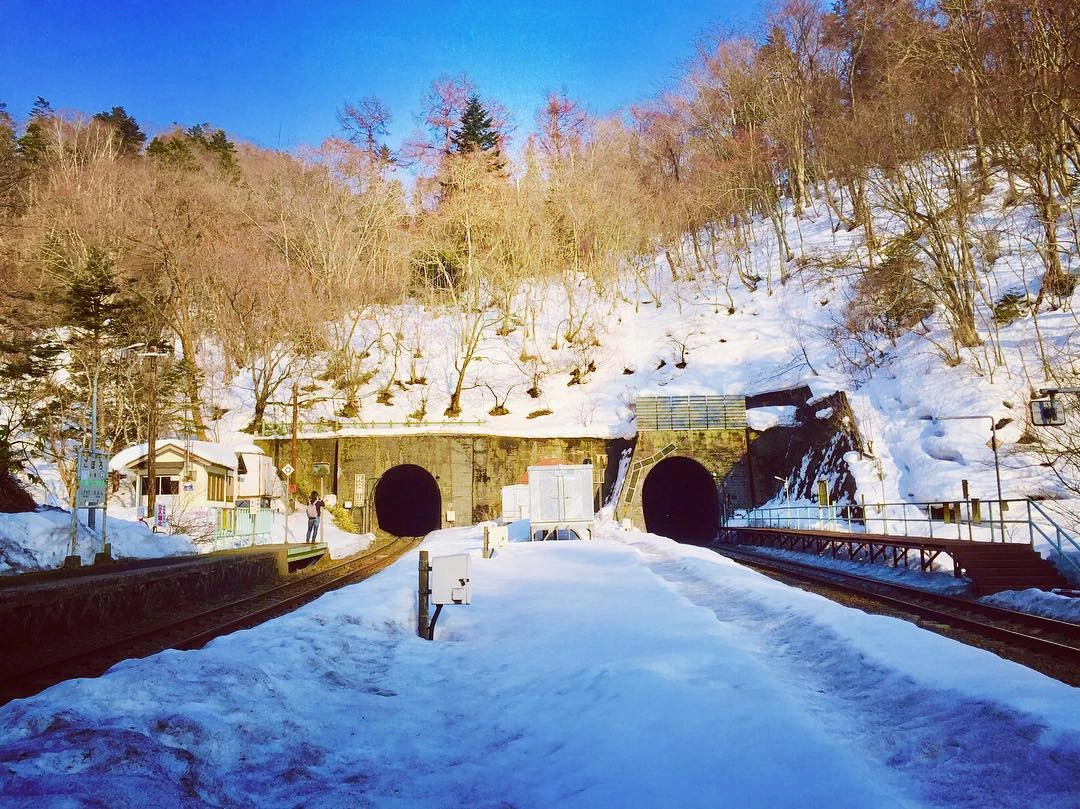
[29, 354]
[476, 132]
[10, 172]
[178, 149]
[32, 145]
[131, 136]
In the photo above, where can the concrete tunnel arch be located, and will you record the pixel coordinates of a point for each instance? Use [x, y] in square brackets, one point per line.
[679, 501]
[407, 501]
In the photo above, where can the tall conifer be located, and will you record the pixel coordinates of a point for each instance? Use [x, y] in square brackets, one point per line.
[476, 132]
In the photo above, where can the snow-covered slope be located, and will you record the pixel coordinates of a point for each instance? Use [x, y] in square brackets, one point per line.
[778, 335]
[729, 339]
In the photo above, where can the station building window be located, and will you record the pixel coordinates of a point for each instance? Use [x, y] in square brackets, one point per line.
[215, 487]
[165, 485]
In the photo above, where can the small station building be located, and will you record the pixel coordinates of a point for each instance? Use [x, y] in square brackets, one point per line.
[198, 478]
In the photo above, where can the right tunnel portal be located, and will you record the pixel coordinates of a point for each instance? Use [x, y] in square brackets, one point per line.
[679, 501]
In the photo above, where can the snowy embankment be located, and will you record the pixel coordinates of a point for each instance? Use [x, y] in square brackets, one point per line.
[41, 539]
[1031, 601]
[629, 671]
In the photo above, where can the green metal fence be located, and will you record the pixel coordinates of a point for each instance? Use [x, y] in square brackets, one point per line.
[703, 412]
[237, 526]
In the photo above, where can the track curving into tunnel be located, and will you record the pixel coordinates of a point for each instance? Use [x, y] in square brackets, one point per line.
[408, 502]
[680, 501]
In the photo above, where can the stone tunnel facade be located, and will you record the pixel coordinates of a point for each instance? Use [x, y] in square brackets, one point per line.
[721, 452]
[469, 470]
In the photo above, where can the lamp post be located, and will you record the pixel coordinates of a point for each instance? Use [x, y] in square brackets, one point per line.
[787, 495]
[997, 466]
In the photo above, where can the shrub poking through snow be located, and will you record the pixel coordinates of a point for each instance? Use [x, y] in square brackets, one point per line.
[13, 497]
[343, 519]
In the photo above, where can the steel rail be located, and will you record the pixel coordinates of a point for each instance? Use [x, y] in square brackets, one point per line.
[222, 619]
[1032, 634]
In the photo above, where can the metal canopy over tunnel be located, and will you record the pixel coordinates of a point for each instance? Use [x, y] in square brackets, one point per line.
[679, 501]
[407, 501]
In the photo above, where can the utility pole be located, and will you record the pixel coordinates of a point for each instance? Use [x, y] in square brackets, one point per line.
[151, 444]
[295, 425]
[152, 429]
[423, 619]
[91, 512]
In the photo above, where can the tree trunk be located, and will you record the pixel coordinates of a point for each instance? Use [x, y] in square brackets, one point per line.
[191, 387]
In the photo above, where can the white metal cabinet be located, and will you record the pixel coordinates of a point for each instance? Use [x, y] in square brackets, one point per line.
[561, 500]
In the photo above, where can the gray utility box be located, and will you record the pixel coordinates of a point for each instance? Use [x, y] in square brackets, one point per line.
[561, 501]
[450, 579]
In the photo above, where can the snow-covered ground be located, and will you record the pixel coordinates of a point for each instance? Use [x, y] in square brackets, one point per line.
[41, 539]
[629, 671]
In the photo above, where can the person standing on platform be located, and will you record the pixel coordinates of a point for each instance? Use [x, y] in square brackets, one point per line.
[314, 514]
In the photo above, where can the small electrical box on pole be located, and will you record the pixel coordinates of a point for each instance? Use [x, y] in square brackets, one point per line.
[450, 579]
[443, 580]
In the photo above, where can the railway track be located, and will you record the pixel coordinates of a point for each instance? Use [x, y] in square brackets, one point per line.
[1046, 644]
[194, 630]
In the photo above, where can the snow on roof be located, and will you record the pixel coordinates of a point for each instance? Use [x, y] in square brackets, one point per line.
[206, 450]
[248, 449]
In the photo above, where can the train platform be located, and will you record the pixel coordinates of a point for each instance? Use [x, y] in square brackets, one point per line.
[991, 566]
[36, 608]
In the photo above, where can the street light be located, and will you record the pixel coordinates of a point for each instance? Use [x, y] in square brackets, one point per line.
[94, 420]
[997, 466]
[787, 493]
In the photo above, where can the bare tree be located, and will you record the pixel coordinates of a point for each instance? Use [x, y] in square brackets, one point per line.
[365, 124]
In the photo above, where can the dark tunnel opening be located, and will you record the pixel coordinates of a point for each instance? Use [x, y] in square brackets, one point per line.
[679, 500]
[407, 501]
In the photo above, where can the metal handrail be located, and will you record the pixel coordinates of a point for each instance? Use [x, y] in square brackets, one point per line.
[231, 524]
[1059, 534]
[971, 520]
[281, 429]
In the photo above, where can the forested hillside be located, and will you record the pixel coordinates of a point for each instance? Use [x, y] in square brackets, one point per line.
[851, 184]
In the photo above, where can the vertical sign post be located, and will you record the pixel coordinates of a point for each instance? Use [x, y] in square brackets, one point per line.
[360, 495]
[288, 470]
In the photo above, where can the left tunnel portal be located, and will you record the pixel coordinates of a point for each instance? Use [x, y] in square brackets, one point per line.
[407, 501]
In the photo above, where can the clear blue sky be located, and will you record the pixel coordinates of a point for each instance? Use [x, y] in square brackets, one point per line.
[275, 73]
